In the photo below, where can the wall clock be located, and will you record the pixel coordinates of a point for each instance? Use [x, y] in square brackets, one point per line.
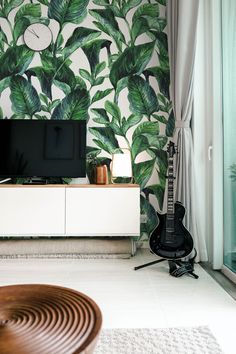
[37, 36]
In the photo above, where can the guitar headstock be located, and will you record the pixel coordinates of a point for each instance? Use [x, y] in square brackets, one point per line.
[171, 149]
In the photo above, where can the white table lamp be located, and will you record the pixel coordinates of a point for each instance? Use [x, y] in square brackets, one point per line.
[121, 165]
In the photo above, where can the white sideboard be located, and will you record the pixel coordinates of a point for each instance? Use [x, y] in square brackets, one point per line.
[69, 210]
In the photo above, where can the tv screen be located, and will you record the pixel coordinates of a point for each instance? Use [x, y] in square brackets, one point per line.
[41, 148]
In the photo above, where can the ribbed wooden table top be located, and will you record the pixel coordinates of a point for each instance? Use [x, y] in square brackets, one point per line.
[45, 319]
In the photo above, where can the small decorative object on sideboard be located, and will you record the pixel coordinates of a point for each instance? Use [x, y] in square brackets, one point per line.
[101, 174]
[121, 166]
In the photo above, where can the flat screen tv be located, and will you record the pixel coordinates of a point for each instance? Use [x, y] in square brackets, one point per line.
[41, 148]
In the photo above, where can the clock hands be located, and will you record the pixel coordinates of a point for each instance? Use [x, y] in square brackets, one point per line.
[33, 32]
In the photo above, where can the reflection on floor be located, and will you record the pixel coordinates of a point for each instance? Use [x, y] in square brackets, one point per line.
[148, 297]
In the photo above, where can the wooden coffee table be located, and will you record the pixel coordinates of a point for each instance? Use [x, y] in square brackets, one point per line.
[45, 319]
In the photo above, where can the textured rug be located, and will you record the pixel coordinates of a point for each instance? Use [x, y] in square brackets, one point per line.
[194, 340]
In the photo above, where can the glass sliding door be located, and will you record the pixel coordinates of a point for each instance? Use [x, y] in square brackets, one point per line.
[229, 130]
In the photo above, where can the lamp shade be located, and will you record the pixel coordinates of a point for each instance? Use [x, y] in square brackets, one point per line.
[121, 165]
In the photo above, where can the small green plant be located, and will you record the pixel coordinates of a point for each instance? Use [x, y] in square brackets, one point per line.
[232, 169]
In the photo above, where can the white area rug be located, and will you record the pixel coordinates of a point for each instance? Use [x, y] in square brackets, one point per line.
[194, 340]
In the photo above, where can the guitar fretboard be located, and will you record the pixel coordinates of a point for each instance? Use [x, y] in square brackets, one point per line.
[170, 193]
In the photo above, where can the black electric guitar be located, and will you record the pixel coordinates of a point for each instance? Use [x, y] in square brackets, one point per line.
[171, 240]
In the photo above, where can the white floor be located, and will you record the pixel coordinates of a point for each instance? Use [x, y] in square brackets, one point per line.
[148, 297]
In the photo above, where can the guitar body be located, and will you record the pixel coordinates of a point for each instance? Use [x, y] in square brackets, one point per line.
[171, 243]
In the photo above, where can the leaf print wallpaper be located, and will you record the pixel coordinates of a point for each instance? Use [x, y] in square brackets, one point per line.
[107, 63]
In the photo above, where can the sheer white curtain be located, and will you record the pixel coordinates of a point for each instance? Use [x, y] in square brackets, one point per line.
[181, 25]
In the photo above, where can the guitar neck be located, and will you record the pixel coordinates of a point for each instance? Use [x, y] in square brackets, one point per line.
[170, 192]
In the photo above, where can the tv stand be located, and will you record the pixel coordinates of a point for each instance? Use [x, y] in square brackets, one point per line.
[62, 210]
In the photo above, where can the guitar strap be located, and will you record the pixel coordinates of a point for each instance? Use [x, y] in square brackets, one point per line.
[177, 268]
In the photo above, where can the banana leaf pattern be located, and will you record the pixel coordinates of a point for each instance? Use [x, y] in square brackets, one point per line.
[107, 63]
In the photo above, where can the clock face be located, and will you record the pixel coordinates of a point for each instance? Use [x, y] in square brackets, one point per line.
[37, 36]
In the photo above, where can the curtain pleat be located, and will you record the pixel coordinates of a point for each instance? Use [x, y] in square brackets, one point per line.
[181, 26]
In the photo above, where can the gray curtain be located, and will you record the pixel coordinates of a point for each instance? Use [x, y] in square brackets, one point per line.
[182, 26]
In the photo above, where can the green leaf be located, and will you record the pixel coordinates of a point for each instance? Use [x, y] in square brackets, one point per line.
[74, 106]
[158, 24]
[44, 2]
[101, 114]
[39, 117]
[132, 61]
[101, 94]
[115, 9]
[130, 4]
[158, 190]
[108, 24]
[132, 120]
[9, 6]
[162, 76]
[18, 116]
[162, 99]
[92, 51]
[66, 89]
[54, 104]
[44, 99]
[122, 83]
[162, 2]
[146, 18]
[68, 11]
[55, 71]
[3, 39]
[170, 126]
[101, 2]
[92, 152]
[162, 44]
[142, 97]
[1, 113]
[160, 119]
[80, 83]
[45, 108]
[143, 171]
[139, 144]
[79, 38]
[146, 128]
[106, 139]
[152, 219]
[15, 61]
[86, 75]
[111, 59]
[162, 162]
[33, 10]
[113, 109]
[158, 142]
[45, 77]
[4, 84]
[151, 10]
[24, 97]
[63, 73]
[99, 68]
[99, 80]
[116, 129]
[139, 27]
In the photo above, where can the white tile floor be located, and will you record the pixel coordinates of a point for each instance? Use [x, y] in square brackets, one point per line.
[148, 297]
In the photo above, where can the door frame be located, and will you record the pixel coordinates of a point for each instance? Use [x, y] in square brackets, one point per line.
[208, 127]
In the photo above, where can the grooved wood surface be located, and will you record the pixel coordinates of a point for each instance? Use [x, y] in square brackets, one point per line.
[45, 319]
